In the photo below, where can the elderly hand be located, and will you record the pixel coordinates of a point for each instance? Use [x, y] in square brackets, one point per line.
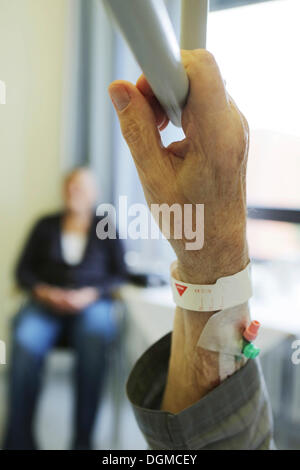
[208, 167]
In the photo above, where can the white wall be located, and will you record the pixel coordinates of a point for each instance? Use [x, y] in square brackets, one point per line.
[32, 57]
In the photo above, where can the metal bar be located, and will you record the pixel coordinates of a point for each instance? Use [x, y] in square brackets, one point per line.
[147, 28]
[194, 24]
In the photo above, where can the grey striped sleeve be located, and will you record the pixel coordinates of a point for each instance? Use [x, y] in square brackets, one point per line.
[235, 415]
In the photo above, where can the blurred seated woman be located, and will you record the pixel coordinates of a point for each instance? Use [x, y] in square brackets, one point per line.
[69, 274]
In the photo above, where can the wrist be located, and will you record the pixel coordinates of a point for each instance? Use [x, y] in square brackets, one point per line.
[207, 267]
[225, 249]
[193, 371]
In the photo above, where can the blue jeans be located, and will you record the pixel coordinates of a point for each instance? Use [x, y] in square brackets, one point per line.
[36, 331]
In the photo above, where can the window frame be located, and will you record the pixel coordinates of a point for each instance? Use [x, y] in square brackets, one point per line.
[225, 4]
[277, 214]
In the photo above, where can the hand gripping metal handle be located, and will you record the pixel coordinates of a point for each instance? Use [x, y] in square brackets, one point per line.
[146, 26]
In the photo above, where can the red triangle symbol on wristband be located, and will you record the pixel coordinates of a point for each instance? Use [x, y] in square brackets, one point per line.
[180, 289]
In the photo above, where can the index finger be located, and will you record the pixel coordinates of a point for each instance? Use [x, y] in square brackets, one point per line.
[160, 115]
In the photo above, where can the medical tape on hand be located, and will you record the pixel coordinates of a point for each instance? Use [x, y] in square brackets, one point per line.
[227, 292]
[228, 365]
[223, 334]
[223, 331]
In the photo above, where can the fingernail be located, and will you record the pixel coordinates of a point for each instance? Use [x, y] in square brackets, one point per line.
[120, 97]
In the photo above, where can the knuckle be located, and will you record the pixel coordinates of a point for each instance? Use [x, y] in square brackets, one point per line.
[204, 56]
[131, 132]
[242, 135]
[207, 57]
[199, 61]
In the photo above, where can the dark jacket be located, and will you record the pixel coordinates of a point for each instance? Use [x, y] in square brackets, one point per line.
[42, 261]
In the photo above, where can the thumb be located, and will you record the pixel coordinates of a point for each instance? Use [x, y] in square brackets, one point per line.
[137, 121]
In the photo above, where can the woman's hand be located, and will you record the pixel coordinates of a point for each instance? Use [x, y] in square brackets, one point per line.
[66, 300]
[55, 297]
[81, 298]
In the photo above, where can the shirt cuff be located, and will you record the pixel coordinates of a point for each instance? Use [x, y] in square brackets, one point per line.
[234, 415]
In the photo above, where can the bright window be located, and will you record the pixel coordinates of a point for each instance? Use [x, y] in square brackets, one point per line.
[257, 47]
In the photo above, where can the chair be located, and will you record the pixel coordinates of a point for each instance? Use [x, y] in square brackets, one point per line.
[117, 367]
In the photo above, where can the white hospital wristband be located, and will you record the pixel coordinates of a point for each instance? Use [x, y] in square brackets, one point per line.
[225, 293]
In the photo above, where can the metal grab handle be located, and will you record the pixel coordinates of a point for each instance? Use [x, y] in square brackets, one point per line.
[147, 28]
